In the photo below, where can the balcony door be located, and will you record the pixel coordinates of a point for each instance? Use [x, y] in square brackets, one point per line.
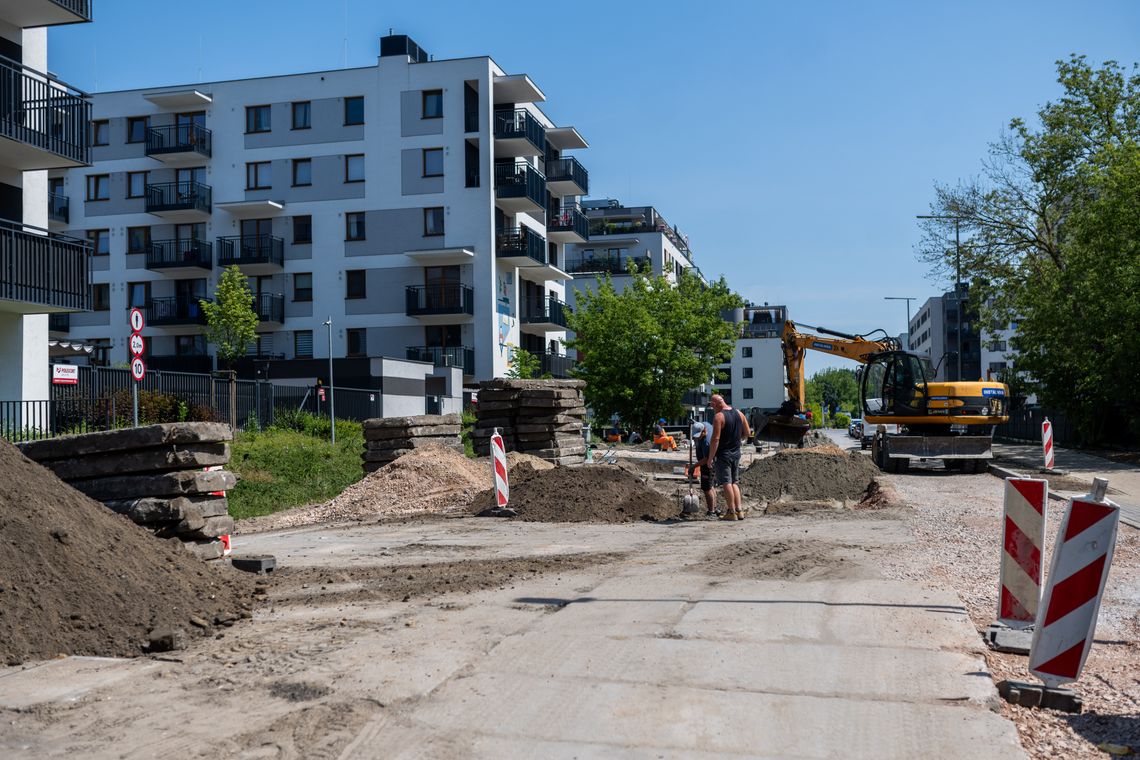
[189, 127]
[443, 336]
[255, 237]
[442, 289]
[534, 298]
[186, 237]
[188, 180]
[261, 287]
[187, 293]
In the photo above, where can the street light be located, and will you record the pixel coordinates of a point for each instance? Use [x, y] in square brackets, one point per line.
[332, 409]
[908, 300]
[957, 276]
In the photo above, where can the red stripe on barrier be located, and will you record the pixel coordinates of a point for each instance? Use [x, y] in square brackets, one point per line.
[1065, 665]
[1021, 548]
[498, 442]
[1079, 588]
[500, 470]
[1089, 514]
[1033, 491]
[1011, 608]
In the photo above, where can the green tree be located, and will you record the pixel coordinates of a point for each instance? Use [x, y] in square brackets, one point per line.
[524, 365]
[640, 350]
[231, 322]
[1051, 240]
[833, 389]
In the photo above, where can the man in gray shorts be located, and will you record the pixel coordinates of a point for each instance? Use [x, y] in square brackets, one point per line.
[729, 429]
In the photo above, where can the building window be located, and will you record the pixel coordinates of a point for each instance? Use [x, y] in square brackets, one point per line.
[258, 175]
[747, 375]
[356, 342]
[100, 132]
[354, 168]
[302, 229]
[303, 286]
[138, 239]
[101, 297]
[747, 393]
[100, 241]
[136, 128]
[354, 225]
[137, 294]
[303, 344]
[433, 162]
[302, 172]
[98, 187]
[433, 221]
[746, 352]
[433, 104]
[355, 284]
[354, 110]
[257, 119]
[302, 115]
[136, 184]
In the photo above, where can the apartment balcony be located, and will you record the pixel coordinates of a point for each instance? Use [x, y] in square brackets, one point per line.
[59, 322]
[180, 201]
[197, 363]
[543, 316]
[41, 271]
[616, 265]
[59, 208]
[270, 307]
[520, 247]
[567, 224]
[175, 311]
[179, 143]
[28, 13]
[520, 188]
[444, 303]
[43, 121]
[518, 133]
[556, 365]
[180, 254]
[566, 176]
[255, 254]
[452, 356]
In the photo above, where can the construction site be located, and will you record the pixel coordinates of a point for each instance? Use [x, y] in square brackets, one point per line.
[844, 616]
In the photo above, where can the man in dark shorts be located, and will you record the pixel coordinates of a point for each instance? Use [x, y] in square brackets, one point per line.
[701, 433]
[729, 429]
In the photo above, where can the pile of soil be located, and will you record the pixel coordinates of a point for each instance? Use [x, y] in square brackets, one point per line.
[78, 579]
[518, 463]
[819, 473]
[600, 494]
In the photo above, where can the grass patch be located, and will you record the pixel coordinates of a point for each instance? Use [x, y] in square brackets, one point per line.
[282, 468]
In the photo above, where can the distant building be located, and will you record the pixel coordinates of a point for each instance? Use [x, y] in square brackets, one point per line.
[754, 377]
[934, 331]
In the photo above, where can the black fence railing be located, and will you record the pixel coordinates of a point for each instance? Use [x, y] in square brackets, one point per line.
[521, 242]
[442, 298]
[41, 267]
[175, 310]
[568, 169]
[174, 254]
[578, 264]
[179, 196]
[521, 180]
[43, 112]
[520, 124]
[179, 138]
[556, 365]
[452, 356]
[251, 249]
[568, 218]
[34, 420]
[547, 311]
[270, 307]
[1025, 426]
[59, 208]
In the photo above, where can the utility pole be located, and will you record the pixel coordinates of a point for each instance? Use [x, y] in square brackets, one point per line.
[332, 409]
[957, 277]
[908, 300]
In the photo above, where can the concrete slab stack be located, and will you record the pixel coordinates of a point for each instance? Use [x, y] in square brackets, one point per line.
[539, 417]
[167, 478]
[388, 438]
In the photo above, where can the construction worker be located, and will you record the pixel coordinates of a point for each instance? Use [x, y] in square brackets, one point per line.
[662, 439]
[729, 428]
[701, 433]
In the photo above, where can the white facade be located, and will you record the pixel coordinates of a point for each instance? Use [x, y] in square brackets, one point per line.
[396, 191]
[755, 377]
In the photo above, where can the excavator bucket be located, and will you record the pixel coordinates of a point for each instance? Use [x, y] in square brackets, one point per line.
[778, 428]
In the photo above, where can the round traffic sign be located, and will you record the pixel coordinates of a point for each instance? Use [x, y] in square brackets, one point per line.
[137, 320]
[138, 369]
[137, 344]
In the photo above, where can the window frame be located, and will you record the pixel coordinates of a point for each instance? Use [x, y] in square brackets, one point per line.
[746, 393]
[131, 121]
[146, 242]
[92, 238]
[250, 110]
[746, 352]
[358, 277]
[424, 95]
[348, 216]
[296, 353]
[347, 159]
[130, 176]
[424, 161]
[746, 373]
[252, 165]
[298, 162]
[362, 349]
[308, 114]
[442, 224]
[104, 303]
[145, 296]
[303, 241]
[93, 182]
[353, 99]
[302, 294]
[95, 125]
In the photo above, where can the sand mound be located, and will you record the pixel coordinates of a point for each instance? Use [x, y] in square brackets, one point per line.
[819, 473]
[76, 578]
[598, 493]
[518, 462]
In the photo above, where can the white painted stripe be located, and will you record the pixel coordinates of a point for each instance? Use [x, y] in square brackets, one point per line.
[1063, 634]
[1020, 584]
[1076, 553]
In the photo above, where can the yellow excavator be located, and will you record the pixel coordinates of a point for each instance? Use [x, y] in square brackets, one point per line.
[951, 421]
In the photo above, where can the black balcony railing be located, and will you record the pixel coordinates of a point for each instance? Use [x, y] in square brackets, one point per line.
[175, 310]
[59, 322]
[174, 254]
[44, 112]
[520, 242]
[178, 196]
[452, 356]
[547, 311]
[568, 170]
[512, 125]
[59, 208]
[579, 264]
[179, 138]
[556, 365]
[81, 8]
[270, 307]
[42, 268]
[520, 180]
[442, 298]
[251, 249]
[568, 218]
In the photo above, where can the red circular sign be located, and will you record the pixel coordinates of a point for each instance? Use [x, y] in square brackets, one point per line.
[137, 344]
[137, 322]
[138, 369]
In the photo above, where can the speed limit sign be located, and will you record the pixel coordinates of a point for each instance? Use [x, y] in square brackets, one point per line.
[137, 323]
[138, 369]
[137, 344]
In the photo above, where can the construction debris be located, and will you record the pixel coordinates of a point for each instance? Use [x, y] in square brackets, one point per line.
[540, 417]
[817, 474]
[582, 494]
[389, 438]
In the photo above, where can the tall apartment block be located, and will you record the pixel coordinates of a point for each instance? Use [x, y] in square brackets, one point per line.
[934, 331]
[43, 126]
[754, 377]
[423, 205]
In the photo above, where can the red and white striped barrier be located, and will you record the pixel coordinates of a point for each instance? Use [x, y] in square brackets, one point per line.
[1066, 619]
[499, 470]
[1047, 442]
[1023, 541]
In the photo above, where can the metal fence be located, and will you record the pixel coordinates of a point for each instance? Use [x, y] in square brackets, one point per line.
[1025, 426]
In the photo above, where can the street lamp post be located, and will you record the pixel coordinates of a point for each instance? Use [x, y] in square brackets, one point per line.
[332, 409]
[957, 277]
[908, 300]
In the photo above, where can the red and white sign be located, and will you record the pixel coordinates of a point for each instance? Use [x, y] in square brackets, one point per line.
[499, 470]
[64, 374]
[227, 546]
[138, 369]
[321, 393]
[1022, 541]
[1047, 442]
[137, 322]
[214, 468]
[137, 344]
[1066, 620]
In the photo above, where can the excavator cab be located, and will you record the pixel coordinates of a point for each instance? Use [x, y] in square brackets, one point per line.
[893, 384]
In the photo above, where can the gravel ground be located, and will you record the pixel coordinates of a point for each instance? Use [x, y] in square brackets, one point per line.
[957, 519]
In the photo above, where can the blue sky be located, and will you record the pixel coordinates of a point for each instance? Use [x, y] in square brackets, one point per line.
[793, 142]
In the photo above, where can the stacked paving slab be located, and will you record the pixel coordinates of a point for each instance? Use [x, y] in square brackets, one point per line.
[539, 417]
[389, 438]
[167, 478]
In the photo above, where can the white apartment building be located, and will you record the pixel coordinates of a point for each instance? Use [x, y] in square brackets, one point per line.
[423, 206]
[43, 126]
[755, 377]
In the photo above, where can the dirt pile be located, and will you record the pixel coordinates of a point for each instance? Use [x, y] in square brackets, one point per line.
[819, 473]
[596, 493]
[519, 463]
[76, 578]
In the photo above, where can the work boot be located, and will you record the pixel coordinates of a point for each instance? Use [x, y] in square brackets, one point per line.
[728, 515]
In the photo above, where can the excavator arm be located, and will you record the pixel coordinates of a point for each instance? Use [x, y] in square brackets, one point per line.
[796, 344]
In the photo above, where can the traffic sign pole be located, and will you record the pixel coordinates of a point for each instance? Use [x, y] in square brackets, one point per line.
[138, 367]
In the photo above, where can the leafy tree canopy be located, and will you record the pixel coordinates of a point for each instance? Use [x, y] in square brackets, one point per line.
[524, 365]
[231, 322]
[833, 389]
